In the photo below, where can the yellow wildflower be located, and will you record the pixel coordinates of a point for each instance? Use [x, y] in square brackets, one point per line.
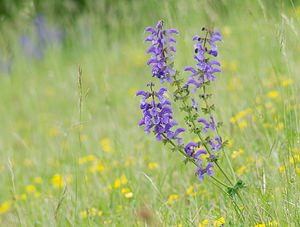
[91, 157]
[120, 181]
[23, 197]
[297, 169]
[93, 211]
[57, 181]
[281, 168]
[105, 145]
[220, 221]
[107, 222]
[279, 126]
[152, 165]
[190, 191]
[273, 94]
[243, 124]
[83, 214]
[117, 183]
[204, 223]
[125, 190]
[250, 159]
[241, 170]
[30, 188]
[233, 120]
[88, 158]
[297, 157]
[273, 223]
[172, 199]
[235, 154]
[99, 167]
[260, 225]
[128, 195]
[4, 207]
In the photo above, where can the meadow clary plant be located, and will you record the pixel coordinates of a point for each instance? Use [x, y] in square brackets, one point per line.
[192, 96]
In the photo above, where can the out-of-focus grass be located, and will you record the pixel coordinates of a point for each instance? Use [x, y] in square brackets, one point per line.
[105, 171]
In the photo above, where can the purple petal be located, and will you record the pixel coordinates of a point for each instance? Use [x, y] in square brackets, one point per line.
[149, 29]
[196, 37]
[214, 62]
[151, 61]
[172, 31]
[141, 92]
[191, 69]
[151, 49]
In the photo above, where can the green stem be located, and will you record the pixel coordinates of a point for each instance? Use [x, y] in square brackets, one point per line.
[227, 159]
[235, 205]
[220, 182]
[200, 137]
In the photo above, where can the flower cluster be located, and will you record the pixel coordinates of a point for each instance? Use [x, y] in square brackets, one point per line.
[161, 48]
[192, 150]
[202, 74]
[205, 67]
[157, 114]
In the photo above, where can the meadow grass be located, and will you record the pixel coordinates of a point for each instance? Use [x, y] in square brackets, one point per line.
[101, 170]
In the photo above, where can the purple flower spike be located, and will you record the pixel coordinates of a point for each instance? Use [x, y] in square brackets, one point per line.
[205, 67]
[162, 51]
[157, 115]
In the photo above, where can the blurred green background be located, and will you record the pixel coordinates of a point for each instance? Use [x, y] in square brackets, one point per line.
[58, 168]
